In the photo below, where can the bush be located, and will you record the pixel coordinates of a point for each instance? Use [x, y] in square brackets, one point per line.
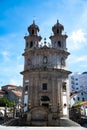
[4, 101]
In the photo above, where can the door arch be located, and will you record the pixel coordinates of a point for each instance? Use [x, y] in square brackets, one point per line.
[44, 101]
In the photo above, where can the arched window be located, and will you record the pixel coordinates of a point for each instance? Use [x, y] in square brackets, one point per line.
[62, 61]
[26, 88]
[57, 31]
[45, 98]
[64, 87]
[59, 43]
[31, 44]
[45, 101]
[45, 59]
[32, 32]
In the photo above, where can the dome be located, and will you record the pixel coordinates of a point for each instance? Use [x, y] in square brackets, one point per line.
[84, 73]
[33, 27]
[58, 25]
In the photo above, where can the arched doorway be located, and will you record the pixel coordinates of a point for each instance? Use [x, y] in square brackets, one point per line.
[44, 101]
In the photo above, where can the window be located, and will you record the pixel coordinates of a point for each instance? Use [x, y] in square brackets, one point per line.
[59, 43]
[76, 79]
[77, 88]
[64, 87]
[45, 59]
[78, 98]
[74, 99]
[62, 61]
[45, 98]
[73, 87]
[31, 44]
[57, 31]
[82, 93]
[83, 99]
[44, 86]
[26, 88]
[72, 82]
[32, 32]
[65, 105]
[72, 77]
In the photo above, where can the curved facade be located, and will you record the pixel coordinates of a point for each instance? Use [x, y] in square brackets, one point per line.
[45, 72]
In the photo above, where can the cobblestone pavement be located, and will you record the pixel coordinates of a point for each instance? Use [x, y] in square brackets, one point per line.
[67, 125]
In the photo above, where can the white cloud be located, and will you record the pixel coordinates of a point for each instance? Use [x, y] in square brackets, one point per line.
[82, 58]
[78, 36]
[5, 55]
[77, 63]
[77, 59]
[77, 39]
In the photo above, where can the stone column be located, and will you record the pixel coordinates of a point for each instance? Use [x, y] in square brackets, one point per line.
[31, 91]
[68, 97]
[59, 96]
[54, 95]
[36, 92]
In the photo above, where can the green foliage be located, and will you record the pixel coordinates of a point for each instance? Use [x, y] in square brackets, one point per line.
[77, 103]
[4, 101]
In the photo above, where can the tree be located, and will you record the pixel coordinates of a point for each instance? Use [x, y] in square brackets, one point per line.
[4, 101]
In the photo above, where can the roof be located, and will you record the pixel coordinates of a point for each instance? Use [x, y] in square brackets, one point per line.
[58, 25]
[72, 94]
[84, 73]
[17, 93]
[1, 91]
[32, 26]
[10, 85]
[83, 103]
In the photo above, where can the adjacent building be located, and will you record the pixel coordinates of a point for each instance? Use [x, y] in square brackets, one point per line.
[78, 87]
[2, 93]
[12, 92]
[45, 75]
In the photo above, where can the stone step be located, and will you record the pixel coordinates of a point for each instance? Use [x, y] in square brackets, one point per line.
[38, 123]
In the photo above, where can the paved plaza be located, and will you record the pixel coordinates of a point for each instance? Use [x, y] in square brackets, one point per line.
[41, 128]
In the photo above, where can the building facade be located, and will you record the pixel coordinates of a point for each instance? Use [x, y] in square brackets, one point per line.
[74, 82]
[45, 75]
[12, 92]
[78, 87]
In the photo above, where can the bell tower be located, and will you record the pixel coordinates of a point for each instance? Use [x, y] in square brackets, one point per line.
[58, 40]
[33, 39]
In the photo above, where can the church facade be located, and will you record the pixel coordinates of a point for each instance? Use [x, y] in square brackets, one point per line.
[45, 75]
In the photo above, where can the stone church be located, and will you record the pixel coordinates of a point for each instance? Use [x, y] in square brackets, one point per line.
[45, 76]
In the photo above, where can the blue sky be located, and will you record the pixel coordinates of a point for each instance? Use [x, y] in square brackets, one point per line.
[17, 15]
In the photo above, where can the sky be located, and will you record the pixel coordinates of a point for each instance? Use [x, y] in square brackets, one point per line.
[17, 15]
